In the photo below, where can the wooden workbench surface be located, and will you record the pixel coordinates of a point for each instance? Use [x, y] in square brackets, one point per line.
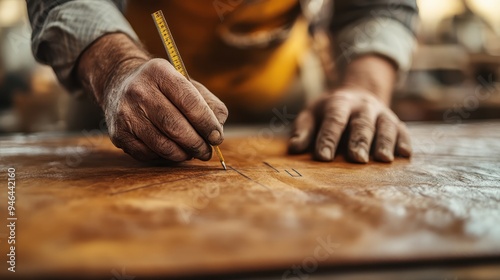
[85, 208]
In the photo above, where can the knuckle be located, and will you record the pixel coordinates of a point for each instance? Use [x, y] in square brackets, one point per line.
[134, 97]
[174, 124]
[390, 116]
[156, 64]
[339, 96]
[385, 120]
[361, 135]
[363, 125]
[191, 104]
[221, 112]
[197, 146]
[385, 140]
[335, 119]
[202, 119]
[133, 88]
[359, 139]
[368, 100]
[327, 138]
[386, 127]
[185, 98]
[166, 148]
[167, 122]
[178, 83]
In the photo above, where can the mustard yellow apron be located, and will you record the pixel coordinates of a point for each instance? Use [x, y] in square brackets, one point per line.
[245, 51]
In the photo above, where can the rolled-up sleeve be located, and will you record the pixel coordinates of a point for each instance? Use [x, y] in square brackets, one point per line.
[383, 27]
[63, 29]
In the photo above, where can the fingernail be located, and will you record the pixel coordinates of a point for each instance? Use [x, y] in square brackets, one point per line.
[404, 150]
[387, 154]
[362, 156]
[214, 137]
[326, 153]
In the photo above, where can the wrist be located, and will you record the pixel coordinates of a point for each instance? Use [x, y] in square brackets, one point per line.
[371, 73]
[106, 63]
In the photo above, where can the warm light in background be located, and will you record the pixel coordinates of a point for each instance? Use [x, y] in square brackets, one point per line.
[489, 9]
[433, 11]
[11, 11]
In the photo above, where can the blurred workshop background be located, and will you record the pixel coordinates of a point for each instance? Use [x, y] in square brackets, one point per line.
[454, 77]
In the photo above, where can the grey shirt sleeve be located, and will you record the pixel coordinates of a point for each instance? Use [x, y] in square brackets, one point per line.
[383, 27]
[63, 29]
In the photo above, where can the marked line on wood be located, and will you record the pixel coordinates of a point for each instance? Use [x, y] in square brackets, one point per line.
[293, 175]
[250, 179]
[270, 166]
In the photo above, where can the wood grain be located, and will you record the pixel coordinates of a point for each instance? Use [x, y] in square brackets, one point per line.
[85, 208]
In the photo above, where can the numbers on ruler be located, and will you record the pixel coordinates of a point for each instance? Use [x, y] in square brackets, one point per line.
[168, 42]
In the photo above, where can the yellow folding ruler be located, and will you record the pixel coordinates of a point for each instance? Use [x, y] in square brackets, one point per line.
[175, 58]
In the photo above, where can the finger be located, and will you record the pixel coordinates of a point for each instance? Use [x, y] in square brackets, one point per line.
[303, 132]
[362, 131]
[333, 125]
[134, 147]
[385, 140]
[403, 145]
[173, 125]
[161, 144]
[217, 106]
[188, 100]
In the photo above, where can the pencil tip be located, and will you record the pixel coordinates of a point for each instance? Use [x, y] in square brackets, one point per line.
[224, 165]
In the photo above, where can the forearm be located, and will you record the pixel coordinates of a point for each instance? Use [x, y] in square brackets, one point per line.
[384, 28]
[348, 12]
[103, 65]
[372, 73]
[63, 29]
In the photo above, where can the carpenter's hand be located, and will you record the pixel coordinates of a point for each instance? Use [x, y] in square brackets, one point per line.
[355, 111]
[154, 112]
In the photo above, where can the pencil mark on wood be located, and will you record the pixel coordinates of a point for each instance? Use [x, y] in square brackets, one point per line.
[270, 166]
[250, 179]
[296, 175]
